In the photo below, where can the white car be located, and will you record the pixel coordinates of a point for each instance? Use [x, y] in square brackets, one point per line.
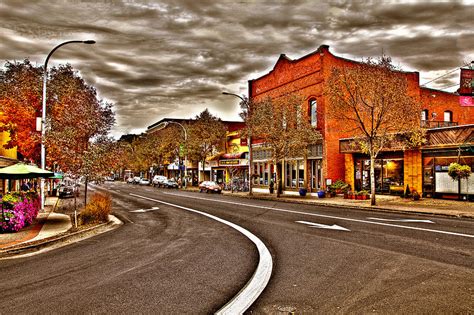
[144, 181]
[158, 180]
[130, 180]
[136, 179]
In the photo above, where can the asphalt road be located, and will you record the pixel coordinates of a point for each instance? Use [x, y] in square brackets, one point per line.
[325, 260]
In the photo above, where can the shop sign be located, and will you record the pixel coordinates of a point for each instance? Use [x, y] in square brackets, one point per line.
[229, 162]
[466, 82]
[466, 101]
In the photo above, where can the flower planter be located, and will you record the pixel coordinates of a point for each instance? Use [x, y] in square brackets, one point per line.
[321, 194]
[303, 192]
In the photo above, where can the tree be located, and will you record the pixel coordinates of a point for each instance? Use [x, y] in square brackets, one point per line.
[284, 126]
[372, 101]
[20, 104]
[205, 137]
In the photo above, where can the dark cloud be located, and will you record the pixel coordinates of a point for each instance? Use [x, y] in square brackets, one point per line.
[156, 59]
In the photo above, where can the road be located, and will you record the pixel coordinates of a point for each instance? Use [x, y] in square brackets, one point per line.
[325, 260]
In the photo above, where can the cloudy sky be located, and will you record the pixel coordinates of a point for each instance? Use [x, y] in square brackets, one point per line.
[156, 59]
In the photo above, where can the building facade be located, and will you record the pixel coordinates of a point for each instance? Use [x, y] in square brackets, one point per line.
[332, 160]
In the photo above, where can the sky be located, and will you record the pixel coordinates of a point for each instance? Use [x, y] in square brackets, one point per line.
[173, 59]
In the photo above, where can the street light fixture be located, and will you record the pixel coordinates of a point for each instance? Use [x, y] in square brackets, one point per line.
[162, 126]
[43, 115]
[249, 143]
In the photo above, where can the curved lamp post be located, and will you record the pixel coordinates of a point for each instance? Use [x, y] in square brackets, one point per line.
[162, 126]
[43, 115]
[249, 143]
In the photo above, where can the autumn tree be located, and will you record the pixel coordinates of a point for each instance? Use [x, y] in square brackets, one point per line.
[206, 137]
[372, 101]
[284, 126]
[20, 104]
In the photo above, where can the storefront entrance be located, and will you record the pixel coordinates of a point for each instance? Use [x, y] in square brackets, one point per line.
[388, 175]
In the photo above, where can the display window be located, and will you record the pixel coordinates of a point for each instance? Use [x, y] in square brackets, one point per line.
[388, 175]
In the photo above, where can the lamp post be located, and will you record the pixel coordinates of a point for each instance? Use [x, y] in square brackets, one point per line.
[43, 114]
[249, 142]
[166, 123]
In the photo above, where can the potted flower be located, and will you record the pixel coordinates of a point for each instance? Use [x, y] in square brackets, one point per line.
[303, 191]
[321, 193]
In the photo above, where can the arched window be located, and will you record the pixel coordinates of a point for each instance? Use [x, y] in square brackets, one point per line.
[313, 107]
[424, 115]
[448, 116]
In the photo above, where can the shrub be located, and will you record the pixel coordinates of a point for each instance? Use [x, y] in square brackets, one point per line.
[339, 186]
[97, 210]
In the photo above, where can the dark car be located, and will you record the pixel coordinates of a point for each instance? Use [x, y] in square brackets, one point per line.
[210, 186]
[170, 183]
[68, 189]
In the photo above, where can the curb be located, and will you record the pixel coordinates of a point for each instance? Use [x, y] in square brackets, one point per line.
[355, 207]
[59, 240]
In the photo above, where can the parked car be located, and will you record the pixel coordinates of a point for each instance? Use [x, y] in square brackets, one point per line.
[130, 180]
[158, 180]
[170, 183]
[144, 181]
[210, 186]
[68, 189]
[136, 179]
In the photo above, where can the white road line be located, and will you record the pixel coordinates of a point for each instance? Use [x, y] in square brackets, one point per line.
[329, 216]
[259, 280]
[402, 220]
[324, 226]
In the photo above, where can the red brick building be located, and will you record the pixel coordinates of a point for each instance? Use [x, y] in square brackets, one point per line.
[306, 76]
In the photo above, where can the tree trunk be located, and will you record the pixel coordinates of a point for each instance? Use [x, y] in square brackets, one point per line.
[278, 180]
[85, 191]
[372, 180]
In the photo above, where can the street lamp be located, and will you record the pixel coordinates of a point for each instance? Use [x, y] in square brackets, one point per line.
[43, 115]
[249, 143]
[162, 126]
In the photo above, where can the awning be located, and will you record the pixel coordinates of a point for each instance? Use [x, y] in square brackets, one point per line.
[238, 155]
[225, 156]
[22, 171]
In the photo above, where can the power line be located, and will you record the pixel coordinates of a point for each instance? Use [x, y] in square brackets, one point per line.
[455, 69]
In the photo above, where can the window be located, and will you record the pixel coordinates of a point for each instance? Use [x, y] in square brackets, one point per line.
[313, 106]
[448, 116]
[424, 115]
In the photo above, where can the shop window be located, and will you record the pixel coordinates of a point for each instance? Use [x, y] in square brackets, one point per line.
[294, 174]
[313, 106]
[424, 115]
[448, 116]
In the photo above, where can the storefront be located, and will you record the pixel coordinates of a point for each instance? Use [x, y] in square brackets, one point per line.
[436, 181]
[228, 167]
[388, 171]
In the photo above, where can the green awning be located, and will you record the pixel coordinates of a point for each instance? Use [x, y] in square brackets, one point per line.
[22, 171]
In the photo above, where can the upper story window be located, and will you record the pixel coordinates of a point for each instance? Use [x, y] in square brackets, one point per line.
[448, 116]
[424, 115]
[313, 106]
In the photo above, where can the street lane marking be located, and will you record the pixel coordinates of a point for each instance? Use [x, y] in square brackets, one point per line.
[402, 220]
[144, 210]
[259, 280]
[329, 216]
[324, 226]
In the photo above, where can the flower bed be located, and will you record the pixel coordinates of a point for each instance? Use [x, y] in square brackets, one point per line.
[19, 210]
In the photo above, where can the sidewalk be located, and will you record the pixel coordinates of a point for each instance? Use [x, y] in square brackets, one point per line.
[47, 224]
